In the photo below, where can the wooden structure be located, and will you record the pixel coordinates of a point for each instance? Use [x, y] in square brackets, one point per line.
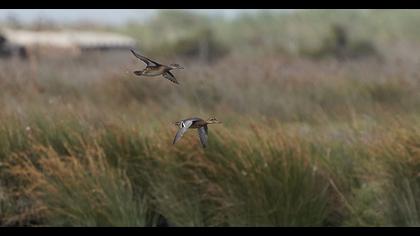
[60, 43]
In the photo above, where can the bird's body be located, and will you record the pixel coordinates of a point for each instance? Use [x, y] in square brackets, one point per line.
[155, 69]
[195, 123]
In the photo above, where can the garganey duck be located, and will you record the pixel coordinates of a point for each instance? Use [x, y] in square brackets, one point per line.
[154, 69]
[195, 123]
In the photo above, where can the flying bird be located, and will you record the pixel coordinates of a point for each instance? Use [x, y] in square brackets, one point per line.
[195, 123]
[155, 69]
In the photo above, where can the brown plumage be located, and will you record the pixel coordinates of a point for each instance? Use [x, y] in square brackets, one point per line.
[155, 69]
[195, 123]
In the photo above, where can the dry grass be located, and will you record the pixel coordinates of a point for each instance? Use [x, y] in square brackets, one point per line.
[301, 144]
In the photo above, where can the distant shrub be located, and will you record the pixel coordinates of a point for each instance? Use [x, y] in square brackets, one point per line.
[339, 46]
[201, 45]
[387, 93]
[178, 33]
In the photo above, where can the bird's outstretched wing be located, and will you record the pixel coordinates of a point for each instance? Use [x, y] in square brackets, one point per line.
[183, 128]
[203, 133]
[168, 75]
[145, 59]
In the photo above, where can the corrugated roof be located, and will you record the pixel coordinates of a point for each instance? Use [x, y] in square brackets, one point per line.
[67, 38]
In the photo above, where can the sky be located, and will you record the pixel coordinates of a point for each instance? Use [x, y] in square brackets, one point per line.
[104, 16]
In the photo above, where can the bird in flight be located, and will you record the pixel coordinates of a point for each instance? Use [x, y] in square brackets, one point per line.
[155, 69]
[195, 123]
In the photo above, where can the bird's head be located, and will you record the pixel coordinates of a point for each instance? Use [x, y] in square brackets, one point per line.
[175, 66]
[213, 120]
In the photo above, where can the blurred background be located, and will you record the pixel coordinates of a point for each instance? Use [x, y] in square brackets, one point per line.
[320, 112]
[302, 33]
[246, 61]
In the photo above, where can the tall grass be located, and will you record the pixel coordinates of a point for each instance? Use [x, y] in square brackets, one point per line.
[74, 191]
[401, 164]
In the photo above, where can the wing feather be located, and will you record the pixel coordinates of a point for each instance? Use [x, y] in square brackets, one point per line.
[144, 59]
[203, 133]
[184, 127]
[168, 75]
